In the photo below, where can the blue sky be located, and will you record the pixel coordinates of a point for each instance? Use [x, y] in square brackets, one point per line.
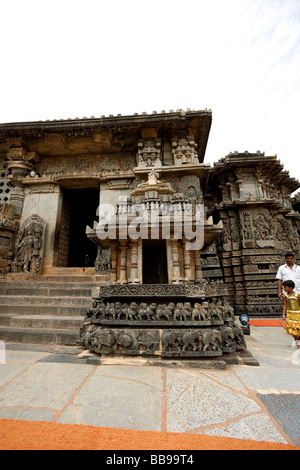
[240, 58]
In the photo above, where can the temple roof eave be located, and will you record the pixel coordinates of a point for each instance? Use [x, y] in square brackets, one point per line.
[33, 134]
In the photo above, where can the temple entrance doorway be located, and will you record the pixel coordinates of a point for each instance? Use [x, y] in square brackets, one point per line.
[78, 211]
[155, 269]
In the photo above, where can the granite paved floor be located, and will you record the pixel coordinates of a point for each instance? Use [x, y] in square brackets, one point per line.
[259, 403]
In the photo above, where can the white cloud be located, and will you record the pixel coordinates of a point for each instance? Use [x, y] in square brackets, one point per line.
[241, 58]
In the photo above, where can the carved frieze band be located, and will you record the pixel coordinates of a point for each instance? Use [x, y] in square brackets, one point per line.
[209, 342]
[203, 289]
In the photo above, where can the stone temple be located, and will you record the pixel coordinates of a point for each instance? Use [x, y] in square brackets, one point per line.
[184, 249]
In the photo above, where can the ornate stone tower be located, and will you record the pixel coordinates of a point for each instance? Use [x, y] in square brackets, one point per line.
[260, 226]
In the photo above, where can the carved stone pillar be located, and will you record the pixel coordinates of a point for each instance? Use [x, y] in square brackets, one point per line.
[187, 265]
[123, 262]
[134, 262]
[198, 267]
[8, 228]
[19, 166]
[176, 278]
[114, 262]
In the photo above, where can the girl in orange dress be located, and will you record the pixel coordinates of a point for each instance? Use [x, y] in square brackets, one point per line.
[291, 311]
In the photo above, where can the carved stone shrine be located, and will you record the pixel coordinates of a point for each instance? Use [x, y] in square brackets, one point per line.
[160, 320]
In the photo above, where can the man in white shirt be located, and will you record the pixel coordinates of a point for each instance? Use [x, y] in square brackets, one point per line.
[288, 272]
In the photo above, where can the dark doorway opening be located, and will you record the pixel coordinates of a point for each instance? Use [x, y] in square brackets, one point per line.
[83, 205]
[155, 269]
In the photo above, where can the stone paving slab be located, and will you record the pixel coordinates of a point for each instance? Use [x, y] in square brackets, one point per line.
[55, 384]
[285, 408]
[195, 401]
[117, 402]
[43, 386]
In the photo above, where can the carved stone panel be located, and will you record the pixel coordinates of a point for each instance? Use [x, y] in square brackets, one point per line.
[247, 228]
[190, 187]
[29, 248]
[184, 150]
[149, 153]
[191, 343]
[231, 230]
[103, 261]
[263, 228]
[120, 341]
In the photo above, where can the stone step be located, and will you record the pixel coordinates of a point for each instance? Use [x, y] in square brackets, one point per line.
[45, 291]
[67, 337]
[84, 278]
[41, 321]
[43, 283]
[45, 300]
[31, 305]
[43, 310]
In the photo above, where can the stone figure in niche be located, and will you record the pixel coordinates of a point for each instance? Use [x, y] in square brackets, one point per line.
[246, 226]
[262, 224]
[29, 246]
[149, 153]
[263, 228]
[226, 234]
[191, 195]
[103, 260]
[281, 234]
[293, 236]
[184, 150]
[190, 187]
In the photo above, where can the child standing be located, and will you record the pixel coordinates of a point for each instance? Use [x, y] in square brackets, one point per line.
[291, 311]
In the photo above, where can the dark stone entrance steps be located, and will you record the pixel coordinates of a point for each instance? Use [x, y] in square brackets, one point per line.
[41, 321]
[43, 310]
[39, 335]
